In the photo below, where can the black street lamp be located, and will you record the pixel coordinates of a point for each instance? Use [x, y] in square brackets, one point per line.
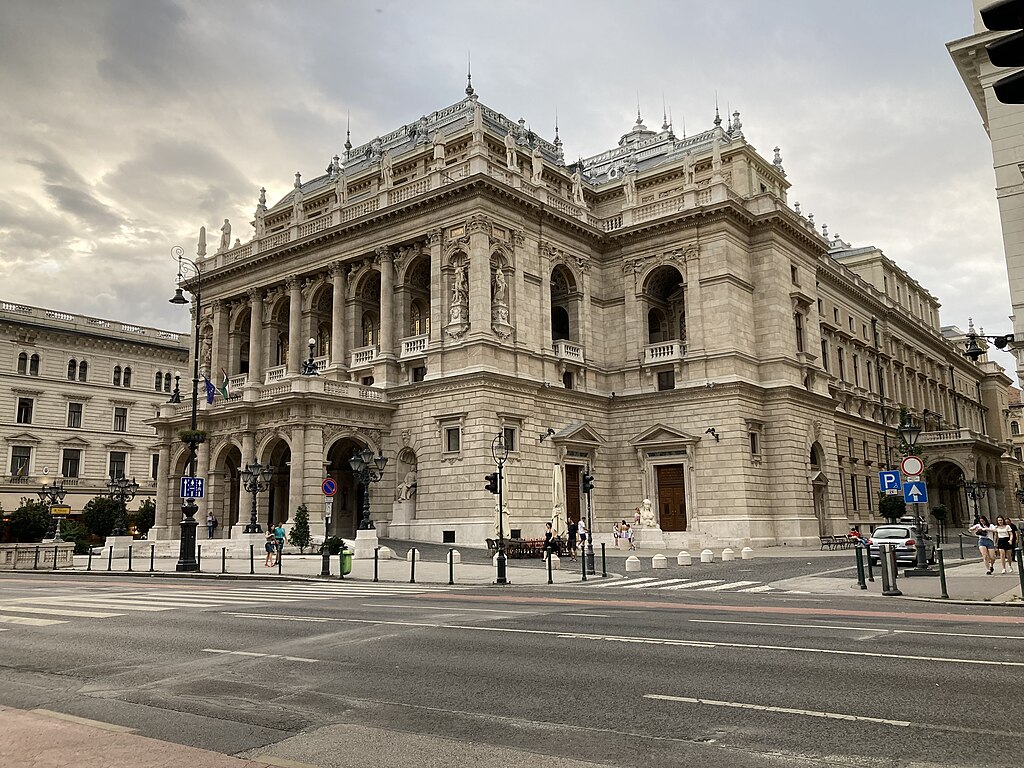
[187, 543]
[176, 394]
[124, 490]
[499, 451]
[973, 350]
[309, 365]
[52, 495]
[976, 491]
[368, 469]
[255, 479]
[909, 432]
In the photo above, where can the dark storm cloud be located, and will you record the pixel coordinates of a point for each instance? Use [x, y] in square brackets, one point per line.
[145, 45]
[72, 194]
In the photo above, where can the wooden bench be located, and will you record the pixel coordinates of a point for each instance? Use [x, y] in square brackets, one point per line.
[837, 542]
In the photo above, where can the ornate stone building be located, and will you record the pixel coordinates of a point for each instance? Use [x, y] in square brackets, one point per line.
[658, 312]
[76, 393]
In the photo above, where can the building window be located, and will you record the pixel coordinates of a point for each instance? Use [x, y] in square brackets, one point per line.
[367, 381]
[841, 362]
[821, 308]
[159, 381]
[72, 370]
[849, 447]
[127, 379]
[154, 466]
[853, 492]
[856, 371]
[83, 371]
[167, 382]
[33, 365]
[71, 462]
[74, 415]
[568, 380]
[118, 464]
[25, 410]
[21, 457]
[1014, 428]
[419, 373]
[117, 375]
[452, 440]
[824, 354]
[23, 363]
[794, 274]
[835, 315]
[666, 380]
[120, 419]
[755, 444]
[867, 492]
[1017, 454]
[850, 320]
[798, 321]
[866, 457]
[511, 438]
[864, 331]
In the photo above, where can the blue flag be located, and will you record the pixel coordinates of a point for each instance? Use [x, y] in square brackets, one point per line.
[210, 390]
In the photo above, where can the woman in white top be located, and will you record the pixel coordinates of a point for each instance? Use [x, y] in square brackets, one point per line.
[1004, 543]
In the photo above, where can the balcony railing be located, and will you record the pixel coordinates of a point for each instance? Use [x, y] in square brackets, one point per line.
[321, 363]
[415, 345]
[275, 374]
[364, 355]
[237, 382]
[567, 350]
[664, 352]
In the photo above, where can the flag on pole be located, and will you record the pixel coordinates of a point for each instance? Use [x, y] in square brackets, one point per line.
[210, 390]
[224, 385]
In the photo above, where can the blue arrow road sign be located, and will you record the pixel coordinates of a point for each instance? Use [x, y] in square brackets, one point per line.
[889, 480]
[915, 493]
[192, 487]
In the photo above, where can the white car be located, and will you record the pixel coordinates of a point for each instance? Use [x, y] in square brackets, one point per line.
[903, 539]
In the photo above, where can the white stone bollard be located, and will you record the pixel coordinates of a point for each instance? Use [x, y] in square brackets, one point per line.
[408, 555]
[659, 561]
[707, 556]
[728, 555]
[684, 558]
[747, 553]
[555, 562]
[632, 564]
[384, 553]
[454, 555]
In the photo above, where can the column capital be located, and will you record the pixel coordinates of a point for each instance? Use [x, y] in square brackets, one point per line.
[336, 268]
[434, 237]
[384, 253]
[254, 294]
[293, 284]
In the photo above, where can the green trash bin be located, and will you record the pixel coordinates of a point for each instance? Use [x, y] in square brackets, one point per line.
[346, 561]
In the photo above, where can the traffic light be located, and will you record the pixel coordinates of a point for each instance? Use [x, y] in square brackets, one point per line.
[588, 482]
[492, 482]
[1008, 51]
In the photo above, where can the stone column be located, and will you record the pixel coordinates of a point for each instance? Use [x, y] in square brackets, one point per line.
[386, 261]
[315, 471]
[438, 308]
[244, 497]
[339, 347]
[218, 355]
[203, 471]
[255, 340]
[296, 344]
[479, 276]
[297, 469]
[163, 500]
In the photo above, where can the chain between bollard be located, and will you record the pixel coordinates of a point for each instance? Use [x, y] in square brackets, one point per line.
[942, 574]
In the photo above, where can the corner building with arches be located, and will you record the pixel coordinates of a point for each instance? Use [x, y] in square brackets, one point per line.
[658, 312]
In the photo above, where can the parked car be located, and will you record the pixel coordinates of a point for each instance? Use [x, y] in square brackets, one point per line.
[903, 539]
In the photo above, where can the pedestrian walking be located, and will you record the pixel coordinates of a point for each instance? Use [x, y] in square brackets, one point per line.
[211, 524]
[549, 540]
[1004, 543]
[629, 536]
[573, 533]
[984, 531]
[271, 547]
[582, 532]
[279, 537]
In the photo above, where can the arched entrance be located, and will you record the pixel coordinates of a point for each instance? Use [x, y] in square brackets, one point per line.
[278, 455]
[348, 500]
[226, 490]
[945, 482]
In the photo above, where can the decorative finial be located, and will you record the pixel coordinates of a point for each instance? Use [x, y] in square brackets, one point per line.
[298, 180]
[796, 207]
[664, 114]
[718, 118]
[810, 218]
[263, 194]
[777, 162]
[736, 124]
[671, 132]
[201, 246]
[469, 75]
[348, 135]
[824, 230]
[639, 120]
[970, 325]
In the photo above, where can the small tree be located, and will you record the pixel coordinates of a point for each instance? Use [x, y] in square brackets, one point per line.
[30, 521]
[334, 544]
[145, 518]
[299, 534]
[891, 508]
[72, 530]
[100, 515]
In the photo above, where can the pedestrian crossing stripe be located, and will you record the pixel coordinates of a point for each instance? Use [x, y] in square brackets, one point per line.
[701, 585]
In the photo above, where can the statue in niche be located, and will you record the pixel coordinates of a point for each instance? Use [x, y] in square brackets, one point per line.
[459, 285]
[500, 286]
[225, 236]
[538, 167]
[630, 187]
[205, 353]
[407, 488]
[577, 188]
[510, 152]
[387, 172]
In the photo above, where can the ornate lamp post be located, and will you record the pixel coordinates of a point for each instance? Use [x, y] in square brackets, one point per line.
[368, 469]
[124, 490]
[499, 451]
[976, 491]
[51, 495]
[309, 365]
[176, 394]
[187, 546]
[909, 432]
[255, 479]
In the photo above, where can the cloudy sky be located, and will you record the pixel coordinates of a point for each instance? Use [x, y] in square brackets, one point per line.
[128, 124]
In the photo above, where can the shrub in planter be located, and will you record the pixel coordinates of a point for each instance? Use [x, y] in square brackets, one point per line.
[334, 545]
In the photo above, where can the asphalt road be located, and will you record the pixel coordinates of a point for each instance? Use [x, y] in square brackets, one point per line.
[393, 675]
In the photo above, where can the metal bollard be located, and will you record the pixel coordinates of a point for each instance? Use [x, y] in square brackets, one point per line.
[604, 563]
[325, 560]
[110, 558]
[55, 558]
[376, 553]
[341, 563]
[129, 558]
[870, 567]
[280, 557]
[451, 565]
[942, 575]
[1020, 569]
[88, 567]
[860, 568]
[251, 563]
[199, 557]
[152, 557]
[35, 563]
[583, 566]
[888, 563]
[961, 537]
[223, 559]
[412, 565]
[550, 580]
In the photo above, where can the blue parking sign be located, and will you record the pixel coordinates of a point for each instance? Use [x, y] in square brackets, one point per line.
[192, 487]
[889, 480]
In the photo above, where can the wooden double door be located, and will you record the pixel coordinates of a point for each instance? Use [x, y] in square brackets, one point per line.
[672, 497]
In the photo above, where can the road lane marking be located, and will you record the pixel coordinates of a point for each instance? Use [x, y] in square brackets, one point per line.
[260, 655]
[694, 584]
[650, 640]
[28, 621]
[625, 582]
[781, 710]
[762, 588]
[856, 629]
[656, 585]
[729, 585]
[272, 616]
[119, 606]
[590, 615]
[59, 611]
[442, 608]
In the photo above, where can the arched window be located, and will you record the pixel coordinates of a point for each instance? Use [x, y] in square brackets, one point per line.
[323, 340]
[419, 319]
[83, 371]
[369, 329]
[127, 377]
[117, 375]
[33, 365]
[23, 363]
[159, 380]
[1014, 428]
[282, 348]
[559, 323]
[167, 382]
[657, 327]
[72, 369]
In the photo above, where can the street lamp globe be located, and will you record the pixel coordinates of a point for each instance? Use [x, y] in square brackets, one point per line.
[910, 432]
